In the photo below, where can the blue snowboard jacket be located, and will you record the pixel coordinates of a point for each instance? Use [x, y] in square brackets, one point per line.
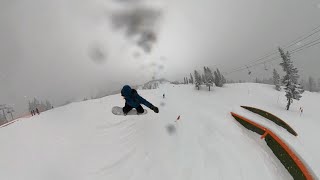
[132, 98]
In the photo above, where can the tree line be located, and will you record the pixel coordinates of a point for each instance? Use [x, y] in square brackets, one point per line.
[207, 78]
[40, 105]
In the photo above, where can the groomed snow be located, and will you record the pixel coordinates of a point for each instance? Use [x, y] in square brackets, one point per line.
[85, 141]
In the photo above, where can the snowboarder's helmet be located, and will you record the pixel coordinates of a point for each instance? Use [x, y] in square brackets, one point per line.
[126, 91]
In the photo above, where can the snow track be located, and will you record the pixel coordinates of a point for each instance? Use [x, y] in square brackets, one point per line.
[86, 141]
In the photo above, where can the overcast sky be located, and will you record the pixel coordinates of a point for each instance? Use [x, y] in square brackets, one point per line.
[70, 49]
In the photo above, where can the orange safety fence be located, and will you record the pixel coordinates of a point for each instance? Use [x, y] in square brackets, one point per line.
[293, 156]
[272, 118]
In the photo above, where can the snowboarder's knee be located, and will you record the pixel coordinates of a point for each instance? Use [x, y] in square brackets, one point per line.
[140, 110]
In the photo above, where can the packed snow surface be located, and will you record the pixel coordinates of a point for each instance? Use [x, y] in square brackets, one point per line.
[85, 141]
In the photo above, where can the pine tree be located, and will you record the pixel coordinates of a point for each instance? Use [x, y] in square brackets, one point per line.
[223, 79]
[303, 84]
[219, 79]
[197, 78]
[42, 106]
[48, 105]
[257, 80]
[276, 80]
[203, 79]
[191, 78]
[209, 77]
[311, 84]
[36, 103]
[30, 106]
[290, 80]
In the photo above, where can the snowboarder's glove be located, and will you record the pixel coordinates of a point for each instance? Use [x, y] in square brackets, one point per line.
[155, 109]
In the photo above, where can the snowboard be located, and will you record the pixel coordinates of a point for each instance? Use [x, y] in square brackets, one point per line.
[116, 110]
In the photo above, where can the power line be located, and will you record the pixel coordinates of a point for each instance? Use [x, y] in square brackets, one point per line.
[314, 41]
[301, 38]
[306, 46]
[295, 41]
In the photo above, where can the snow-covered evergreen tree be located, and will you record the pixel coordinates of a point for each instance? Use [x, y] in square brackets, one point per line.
[203, 79]
[34, 104]
[191, 78]
[209, 77]
[311, 84]
[223, 79]
[276, 80]
[48, 105]
[197, 78]
[219, 79]
[30, 106]
[257, 80]
[303, 83]
[290, 80]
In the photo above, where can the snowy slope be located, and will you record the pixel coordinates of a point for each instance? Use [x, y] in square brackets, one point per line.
[86, 141]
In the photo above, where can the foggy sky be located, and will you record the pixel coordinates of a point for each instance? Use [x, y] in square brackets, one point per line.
[70, 49]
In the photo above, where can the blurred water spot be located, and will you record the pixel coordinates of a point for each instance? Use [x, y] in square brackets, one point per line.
[171, 129]
[153, 64]
[97, 54]
[161, 67]
[162, 58]
[162, 104]
[139, 22]
[136, 55]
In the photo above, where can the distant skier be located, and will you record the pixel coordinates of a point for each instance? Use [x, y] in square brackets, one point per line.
[133, 100]
[163, 96]
[301, 111]
[37, 110]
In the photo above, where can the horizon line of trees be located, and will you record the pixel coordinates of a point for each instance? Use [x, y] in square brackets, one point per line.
[207, 78]
[290, 81]
[40, 105]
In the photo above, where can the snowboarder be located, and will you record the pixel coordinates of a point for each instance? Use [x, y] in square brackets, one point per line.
[133, 100]
[163, 96]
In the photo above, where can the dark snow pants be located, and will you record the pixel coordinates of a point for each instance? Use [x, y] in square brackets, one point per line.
[128, 108]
